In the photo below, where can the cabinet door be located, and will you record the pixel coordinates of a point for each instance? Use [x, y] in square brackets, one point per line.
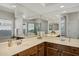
[52, 49]
[64, 53]
[41, 51]
[68, 50]
[32, 51]
[29, 52]
[34, 54]
[23, 53]
[52, 52]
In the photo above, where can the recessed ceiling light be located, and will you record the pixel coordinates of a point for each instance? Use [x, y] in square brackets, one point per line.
[62, 6]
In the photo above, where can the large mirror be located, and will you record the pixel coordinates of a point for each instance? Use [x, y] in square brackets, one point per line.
[20, 21]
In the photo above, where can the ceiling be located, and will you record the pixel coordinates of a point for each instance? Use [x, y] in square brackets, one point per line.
[47, 10]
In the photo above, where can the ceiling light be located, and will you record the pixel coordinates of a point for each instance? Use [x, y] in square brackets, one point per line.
[62, 6]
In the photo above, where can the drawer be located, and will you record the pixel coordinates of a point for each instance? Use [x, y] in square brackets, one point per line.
[74, 50]
[53, 45]
[64, 53]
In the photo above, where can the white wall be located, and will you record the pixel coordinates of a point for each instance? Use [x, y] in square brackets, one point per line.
[6, 15]
[72, 25]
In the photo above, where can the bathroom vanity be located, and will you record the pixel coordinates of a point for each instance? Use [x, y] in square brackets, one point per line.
[46, 46]
[50, 49]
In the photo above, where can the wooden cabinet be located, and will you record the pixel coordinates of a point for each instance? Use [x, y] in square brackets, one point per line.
[65, 53]
[23, 53]
[70, 51]
[37, 50]
[28, 52]
[53, 49]
[33, 51]
[50, 49]
[41, 49]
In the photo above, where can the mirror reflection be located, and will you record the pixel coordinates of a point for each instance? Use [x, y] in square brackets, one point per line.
[5, 29]
[33, 27]
[20, 22]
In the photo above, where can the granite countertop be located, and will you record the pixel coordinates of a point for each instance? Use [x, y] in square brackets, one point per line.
[29, 42]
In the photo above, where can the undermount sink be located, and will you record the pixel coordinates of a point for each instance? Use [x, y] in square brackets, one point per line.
[19, 38]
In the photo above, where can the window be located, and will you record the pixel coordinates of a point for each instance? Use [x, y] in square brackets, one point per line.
[30, 28]
[63, 25]
[5, 29]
